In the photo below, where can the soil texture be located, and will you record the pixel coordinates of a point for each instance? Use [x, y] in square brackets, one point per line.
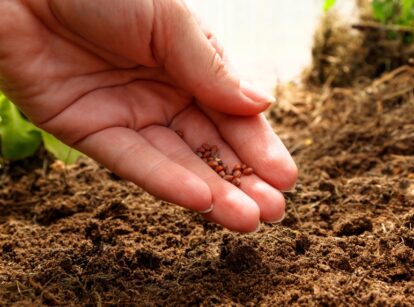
[80, 235]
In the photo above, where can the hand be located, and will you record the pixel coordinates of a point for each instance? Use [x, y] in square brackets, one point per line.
[116, 79]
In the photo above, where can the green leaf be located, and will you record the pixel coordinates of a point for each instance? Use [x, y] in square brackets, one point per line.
[407, 12]
[60, 150]
[384, 10]
[328, 5]
[19, 138]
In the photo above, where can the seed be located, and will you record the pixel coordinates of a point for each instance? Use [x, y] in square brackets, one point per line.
[236, 182]
[219, 169]
[201, 149]
[213, 164]
[237, 174]
[206, 146]
[228, 178]
[229, 172]
[248, 171]
[200, 154]
[180, 133]
[236, 167]
[207, 154]
[222, 174]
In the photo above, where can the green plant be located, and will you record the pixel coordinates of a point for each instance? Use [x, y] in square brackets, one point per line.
[396, 17]
[20, 139]
[391, 12]
[328, 5]
[395, 12]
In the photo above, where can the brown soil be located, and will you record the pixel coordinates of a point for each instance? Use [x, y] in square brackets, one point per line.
[82, 236]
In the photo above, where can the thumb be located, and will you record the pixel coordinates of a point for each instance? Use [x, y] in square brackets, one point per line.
[191, 59]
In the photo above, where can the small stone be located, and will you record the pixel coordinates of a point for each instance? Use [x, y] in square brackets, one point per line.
[228, 178]
[219, 169]
[236, 182]
[237, 173]
[236, 167]
[248, 171]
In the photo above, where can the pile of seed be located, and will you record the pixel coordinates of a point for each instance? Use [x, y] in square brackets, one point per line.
[210, 155]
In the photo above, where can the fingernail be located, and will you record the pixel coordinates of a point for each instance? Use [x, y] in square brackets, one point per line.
[289, 190]
[208, 210]
[257, 228]
[255, 93]
[279, 220]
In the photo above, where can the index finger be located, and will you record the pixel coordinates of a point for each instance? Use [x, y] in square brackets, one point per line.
[255, 142]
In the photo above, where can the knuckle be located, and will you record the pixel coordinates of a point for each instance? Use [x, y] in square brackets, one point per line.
[218, 67]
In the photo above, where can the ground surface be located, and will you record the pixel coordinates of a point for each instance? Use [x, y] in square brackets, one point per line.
[83, 236]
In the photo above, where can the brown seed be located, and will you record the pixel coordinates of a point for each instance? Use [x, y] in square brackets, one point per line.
[248, 171]
[236, 182]
[207, 154]
[200, 154]
[206, 146]
[244, 166]
[219, 169]
[180, 133]
[237, 173]
[213, 164]
[222, 174]
[236, 167]
[201, 149]
[228, 178]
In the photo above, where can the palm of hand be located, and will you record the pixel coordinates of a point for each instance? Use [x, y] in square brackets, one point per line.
[123, 112]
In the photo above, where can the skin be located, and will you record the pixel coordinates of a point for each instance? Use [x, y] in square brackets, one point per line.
[116, 79]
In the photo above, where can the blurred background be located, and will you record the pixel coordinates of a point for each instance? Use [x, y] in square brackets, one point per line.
[267, 40]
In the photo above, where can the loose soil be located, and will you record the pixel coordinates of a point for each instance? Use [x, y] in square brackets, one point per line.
[82, 236]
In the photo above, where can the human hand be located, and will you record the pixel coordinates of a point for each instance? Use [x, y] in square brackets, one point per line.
[116, 79]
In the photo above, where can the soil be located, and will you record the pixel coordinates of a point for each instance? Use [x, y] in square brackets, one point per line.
[80, 235]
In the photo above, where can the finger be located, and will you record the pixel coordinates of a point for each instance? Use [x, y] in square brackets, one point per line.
[209, 34]
[232, 208]
[256, 143]
[198, 129]
[130, 156]
[194, 62]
